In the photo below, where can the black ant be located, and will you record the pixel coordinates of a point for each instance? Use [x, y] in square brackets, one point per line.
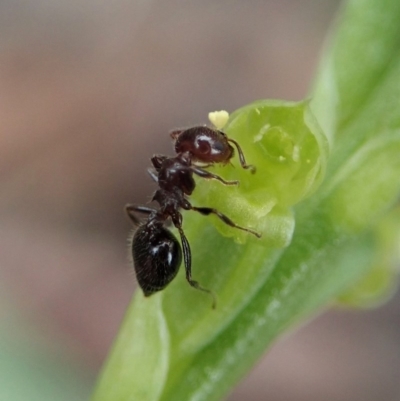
[156, 252]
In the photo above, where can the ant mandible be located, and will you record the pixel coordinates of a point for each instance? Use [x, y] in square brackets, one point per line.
[156, 252]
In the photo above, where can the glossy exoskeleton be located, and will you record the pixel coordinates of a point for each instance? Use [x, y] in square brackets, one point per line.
[157, 254]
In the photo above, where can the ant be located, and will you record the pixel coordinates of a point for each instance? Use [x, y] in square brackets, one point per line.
[156, 252]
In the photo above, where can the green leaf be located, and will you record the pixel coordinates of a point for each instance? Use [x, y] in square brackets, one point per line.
[319, 235]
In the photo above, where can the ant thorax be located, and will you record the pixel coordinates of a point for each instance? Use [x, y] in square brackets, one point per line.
[175, 175]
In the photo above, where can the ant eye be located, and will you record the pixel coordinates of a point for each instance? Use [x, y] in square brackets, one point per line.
[219, 146]
[203, 147]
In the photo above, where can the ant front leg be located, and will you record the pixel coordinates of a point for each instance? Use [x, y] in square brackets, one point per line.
[153, 174]
[207, 175]
[174, 134]
[187, 259]
[132, 209]
[206, 211]
[157, 161]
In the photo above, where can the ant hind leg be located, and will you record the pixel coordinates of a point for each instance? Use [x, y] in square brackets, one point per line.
[132, 209]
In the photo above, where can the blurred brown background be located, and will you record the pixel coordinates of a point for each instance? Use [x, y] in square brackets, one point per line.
[88, 91]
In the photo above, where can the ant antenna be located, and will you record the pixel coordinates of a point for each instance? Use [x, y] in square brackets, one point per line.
[241, 157]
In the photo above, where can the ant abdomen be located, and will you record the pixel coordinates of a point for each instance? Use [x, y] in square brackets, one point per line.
[157, 256]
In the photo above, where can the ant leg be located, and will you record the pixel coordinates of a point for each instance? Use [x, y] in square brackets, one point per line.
[208, 210]
[175, 133]
[206, 174]
[132, 209]
[157, 161]
[153, 174]
[187, 259]
[241, 157]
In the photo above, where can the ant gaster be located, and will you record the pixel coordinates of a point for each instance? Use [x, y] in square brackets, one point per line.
[156, 252]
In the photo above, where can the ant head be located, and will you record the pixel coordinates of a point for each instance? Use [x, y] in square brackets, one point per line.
[204, 144]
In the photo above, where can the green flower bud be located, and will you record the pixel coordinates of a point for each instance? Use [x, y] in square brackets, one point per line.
[289, 151]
